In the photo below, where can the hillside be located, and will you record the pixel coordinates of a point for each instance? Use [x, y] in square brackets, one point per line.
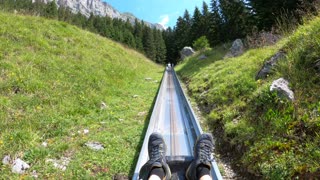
[61, 87]
[266, 136]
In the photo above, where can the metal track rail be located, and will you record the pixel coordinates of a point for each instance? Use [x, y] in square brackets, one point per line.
[174, 118]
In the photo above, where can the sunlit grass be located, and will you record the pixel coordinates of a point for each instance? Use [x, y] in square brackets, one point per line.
[53, 79]
[267, 136]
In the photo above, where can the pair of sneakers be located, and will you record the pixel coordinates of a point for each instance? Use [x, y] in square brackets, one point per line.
[157, 150]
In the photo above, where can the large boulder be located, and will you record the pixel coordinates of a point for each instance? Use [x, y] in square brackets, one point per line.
[269, 64]
[186, 52]
[281, 87]
[236, 49]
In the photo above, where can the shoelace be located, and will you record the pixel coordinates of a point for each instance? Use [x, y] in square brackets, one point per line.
[156, 153]
[205, 152]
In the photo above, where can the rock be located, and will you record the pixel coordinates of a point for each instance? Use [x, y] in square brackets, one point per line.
[103, 105]
[281, 87]
[120, 177]
[95, 145]
[135, 96]
[44, 144]
[85, 131]
[236, 49]
[60, 164]
[34, 174]
[142, 113]
[268, 65]
[19, 166]
[185, 52]
[148, 79]
[6, 160]
[202, 57]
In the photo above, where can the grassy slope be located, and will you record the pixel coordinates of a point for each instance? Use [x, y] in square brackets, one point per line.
[268, 136]
[53, 78]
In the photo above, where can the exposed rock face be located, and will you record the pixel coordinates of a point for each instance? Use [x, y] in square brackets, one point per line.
[185, 52]
[268, 65]
[99, 8]
[236, 49]
[281, 87]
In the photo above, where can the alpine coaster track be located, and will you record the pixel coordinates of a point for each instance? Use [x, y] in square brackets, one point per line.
[174, 118]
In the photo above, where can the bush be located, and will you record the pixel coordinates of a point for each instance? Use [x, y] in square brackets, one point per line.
[201, 43]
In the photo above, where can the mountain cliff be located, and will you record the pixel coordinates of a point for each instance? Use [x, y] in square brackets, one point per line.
[100, 8]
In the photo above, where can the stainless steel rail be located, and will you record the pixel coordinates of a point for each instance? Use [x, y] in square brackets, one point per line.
[174, 118]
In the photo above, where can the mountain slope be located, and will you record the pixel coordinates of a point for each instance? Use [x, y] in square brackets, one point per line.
[267, 136]
[55, 81]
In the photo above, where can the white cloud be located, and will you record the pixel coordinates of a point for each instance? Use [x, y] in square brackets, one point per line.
[164, 20]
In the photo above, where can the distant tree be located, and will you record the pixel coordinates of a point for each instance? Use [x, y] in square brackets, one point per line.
[148, 43]
[234, 19]
[206, 20]
[215, 29]
[138, 34]
[182, 31]
[197, 28]
[160, 47]
[267, 12]
[171, 47]
[51, 10]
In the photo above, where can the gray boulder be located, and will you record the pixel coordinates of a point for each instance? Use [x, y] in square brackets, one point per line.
[236, 49]
[19, 166]
[269, 64]
[95, 145]
[6, 160]
[186, 52]
[281, 87]
[202, 57]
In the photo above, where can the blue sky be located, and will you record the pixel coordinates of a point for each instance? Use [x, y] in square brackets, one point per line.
[165, 12]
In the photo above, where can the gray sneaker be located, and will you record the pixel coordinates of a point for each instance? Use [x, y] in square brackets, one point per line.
[157, 151]
[202, 155]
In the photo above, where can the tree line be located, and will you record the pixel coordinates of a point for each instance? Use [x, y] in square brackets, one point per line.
[139, 36]
[219, 22]
[225, 20]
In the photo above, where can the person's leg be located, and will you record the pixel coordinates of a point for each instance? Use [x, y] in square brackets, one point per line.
[201, 165]
[156, 167]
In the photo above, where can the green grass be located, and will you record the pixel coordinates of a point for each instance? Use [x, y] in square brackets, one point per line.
[268, 136]
[53, 78]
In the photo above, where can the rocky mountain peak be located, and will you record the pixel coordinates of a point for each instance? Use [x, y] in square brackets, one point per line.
[99, 8]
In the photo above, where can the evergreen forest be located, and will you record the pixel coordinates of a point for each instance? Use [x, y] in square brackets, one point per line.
[219, 22]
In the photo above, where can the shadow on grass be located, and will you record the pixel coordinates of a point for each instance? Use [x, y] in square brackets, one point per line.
[146, 124]
[194, 64]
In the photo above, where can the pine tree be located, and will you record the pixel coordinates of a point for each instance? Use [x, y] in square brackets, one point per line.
[51, 10]
[205, 20]
[234, 18]
[138, 34]
[267, 12]
[197, 28]
[159, 46]
[215, 29]
[148, 43]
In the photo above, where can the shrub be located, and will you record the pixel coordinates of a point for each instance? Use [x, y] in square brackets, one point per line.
[201, 43]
